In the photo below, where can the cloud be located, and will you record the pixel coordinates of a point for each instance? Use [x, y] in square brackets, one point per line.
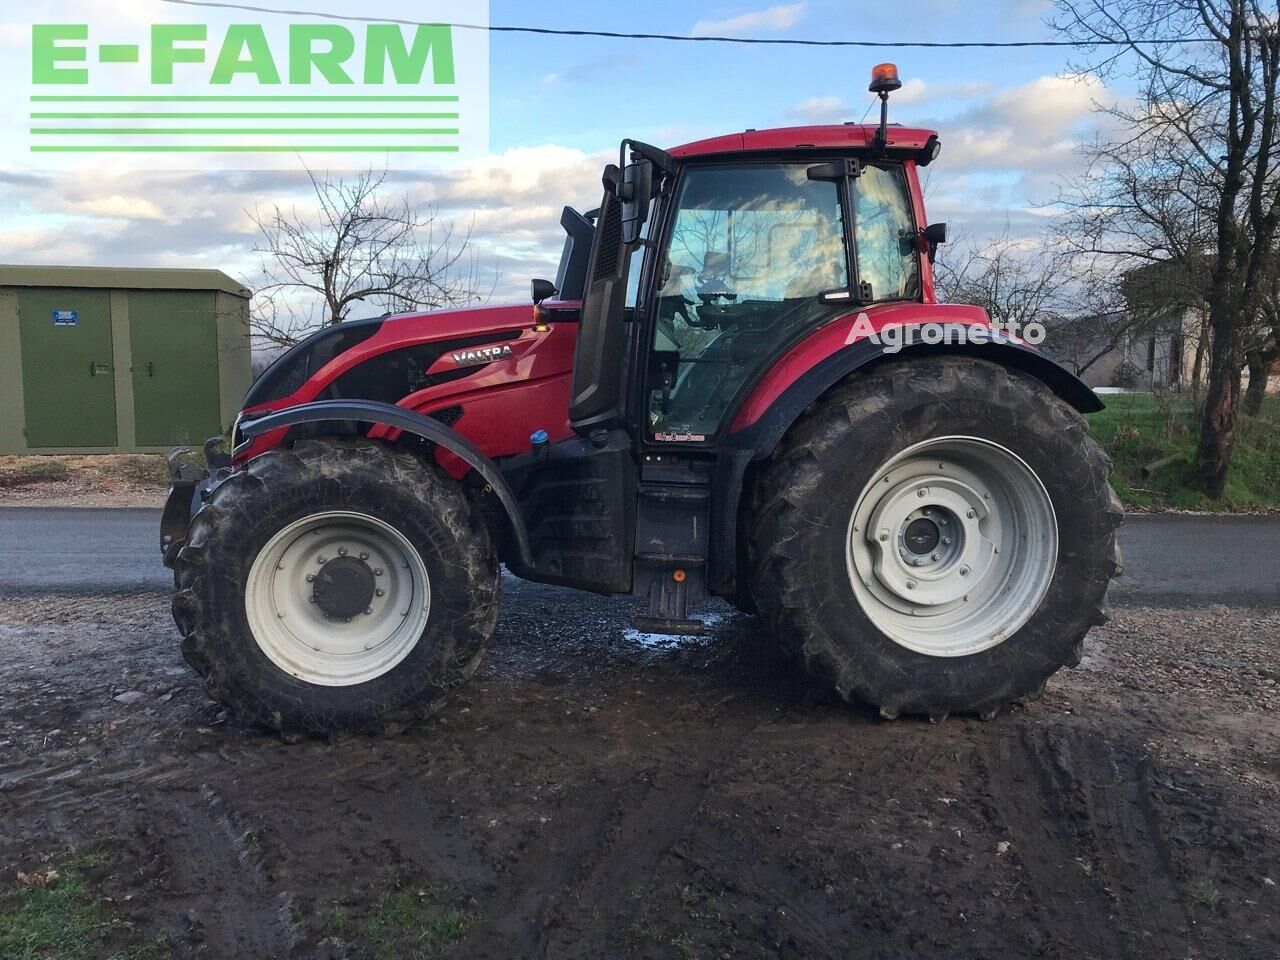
[1036, 127]
[510, 202]
[772, 20]
[915, 91]
[822, 110]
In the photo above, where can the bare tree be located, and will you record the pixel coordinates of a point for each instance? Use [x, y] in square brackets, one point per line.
[1203, 131]
[1079, 300]
[1262, 347]
[356, 247]
[1013, 282]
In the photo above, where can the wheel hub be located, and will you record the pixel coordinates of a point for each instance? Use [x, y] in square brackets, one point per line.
[344, 588]
[921, 536]
[337, 598]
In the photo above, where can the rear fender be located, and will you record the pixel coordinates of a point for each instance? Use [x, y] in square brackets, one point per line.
[370, 411]
[760, 437]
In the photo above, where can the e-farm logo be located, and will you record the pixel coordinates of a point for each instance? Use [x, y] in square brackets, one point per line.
[207, 94]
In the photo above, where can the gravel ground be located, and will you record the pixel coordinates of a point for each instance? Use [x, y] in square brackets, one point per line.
[597, 793]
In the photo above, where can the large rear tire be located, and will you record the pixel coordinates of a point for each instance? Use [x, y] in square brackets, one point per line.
[936, 537]
[336, 586]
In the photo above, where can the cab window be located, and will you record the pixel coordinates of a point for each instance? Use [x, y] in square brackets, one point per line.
[752, 249]
[886, 234]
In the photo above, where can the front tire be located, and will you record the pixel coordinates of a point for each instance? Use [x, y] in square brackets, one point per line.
[936, 537]
[336, 586]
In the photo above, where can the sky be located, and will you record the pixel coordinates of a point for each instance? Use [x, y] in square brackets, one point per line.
[1010, 122]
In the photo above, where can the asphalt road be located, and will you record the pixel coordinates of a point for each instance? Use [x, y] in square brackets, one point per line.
[1170, 560]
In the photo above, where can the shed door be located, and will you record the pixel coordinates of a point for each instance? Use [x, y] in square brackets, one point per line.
[174, 346]
[68, 377]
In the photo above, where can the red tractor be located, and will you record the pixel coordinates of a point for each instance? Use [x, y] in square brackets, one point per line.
[740, 384]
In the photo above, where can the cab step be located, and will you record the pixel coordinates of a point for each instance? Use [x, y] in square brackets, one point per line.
[670, 627]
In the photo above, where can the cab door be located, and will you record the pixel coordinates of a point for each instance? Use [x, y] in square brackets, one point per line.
[751, 250]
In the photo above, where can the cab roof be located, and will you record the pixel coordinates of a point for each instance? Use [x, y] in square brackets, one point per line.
[846, 136]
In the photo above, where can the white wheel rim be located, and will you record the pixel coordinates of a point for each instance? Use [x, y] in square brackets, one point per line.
[952, 546]
[300, 636]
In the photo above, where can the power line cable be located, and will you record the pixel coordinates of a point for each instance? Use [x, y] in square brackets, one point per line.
[683, 38]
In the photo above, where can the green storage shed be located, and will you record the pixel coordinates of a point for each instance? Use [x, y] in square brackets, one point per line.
[112, 360]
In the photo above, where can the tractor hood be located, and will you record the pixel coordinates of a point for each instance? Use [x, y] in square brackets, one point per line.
[429, 363]
[306, 369]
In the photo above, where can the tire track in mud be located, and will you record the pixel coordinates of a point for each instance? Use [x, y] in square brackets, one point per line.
[215, 877]
[1098, 866]
[586, 903]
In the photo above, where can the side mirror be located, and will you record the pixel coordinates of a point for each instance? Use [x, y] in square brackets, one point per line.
[934, 234]
[636, 193]
[543, 290]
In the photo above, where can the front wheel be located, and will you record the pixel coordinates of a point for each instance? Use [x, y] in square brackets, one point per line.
[936, 537]
[336, 586]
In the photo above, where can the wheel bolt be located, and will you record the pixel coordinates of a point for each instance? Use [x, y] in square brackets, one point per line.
[922, 492]
[342, 551]
[378, 572]
[971, 514]
[911, 584]
[884, 535]
[312, 598]
[311, 578]
[934, 557]
[364, 556]
[964, 571]
[380, 592]
[368, 610]
[946, 541]
[917, 562]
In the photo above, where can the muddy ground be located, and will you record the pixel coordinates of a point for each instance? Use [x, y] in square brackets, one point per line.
[593, 795]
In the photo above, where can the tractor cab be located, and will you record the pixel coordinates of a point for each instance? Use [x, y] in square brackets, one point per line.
[705, 267]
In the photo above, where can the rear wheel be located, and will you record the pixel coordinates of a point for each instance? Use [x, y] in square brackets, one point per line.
[336, 586]
[938, 536]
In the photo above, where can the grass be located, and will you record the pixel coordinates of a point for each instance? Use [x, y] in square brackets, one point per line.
[1140, 429]
[1206, 897]
[63, 920]
[67, 919]
[24, 471]
[405, 922]
[86, 473]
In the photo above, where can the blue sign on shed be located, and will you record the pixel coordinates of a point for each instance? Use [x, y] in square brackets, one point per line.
[66, 318]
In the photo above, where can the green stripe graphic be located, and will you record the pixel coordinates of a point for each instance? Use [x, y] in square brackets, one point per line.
[213, 148]
[242, 99]
[238, 131]
[244, 116]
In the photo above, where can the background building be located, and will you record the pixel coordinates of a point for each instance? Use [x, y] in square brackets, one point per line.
[97, 360]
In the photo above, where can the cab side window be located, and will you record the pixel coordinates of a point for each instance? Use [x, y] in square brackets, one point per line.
[886, 234]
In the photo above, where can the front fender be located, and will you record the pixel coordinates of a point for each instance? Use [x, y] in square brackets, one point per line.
[371, 411]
